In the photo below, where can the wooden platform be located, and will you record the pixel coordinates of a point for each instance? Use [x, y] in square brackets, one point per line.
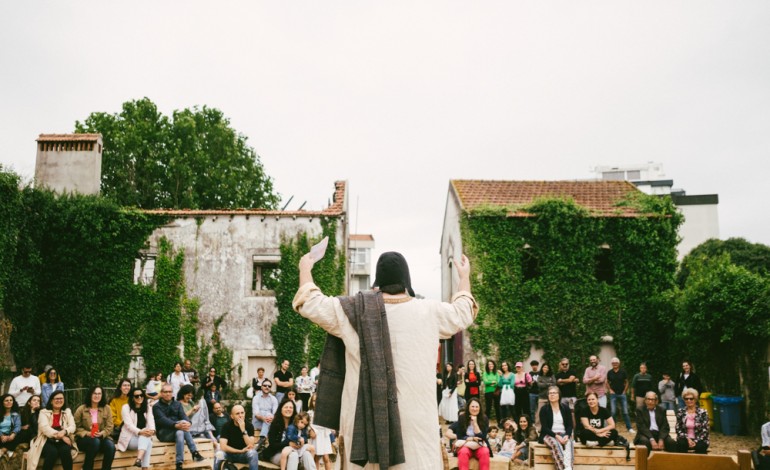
[666, 461]
[587, 458]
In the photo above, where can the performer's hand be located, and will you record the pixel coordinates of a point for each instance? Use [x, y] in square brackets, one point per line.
[305, 269]
[463, 267]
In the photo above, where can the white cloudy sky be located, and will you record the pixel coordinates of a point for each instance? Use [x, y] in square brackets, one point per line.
[399, 97]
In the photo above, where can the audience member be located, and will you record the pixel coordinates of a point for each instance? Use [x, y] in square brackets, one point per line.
[687, 379]
[523, 436]
[652, 426]
[10, 424]
[118, 400]
[640, 385]
[190, 373]
[237, 439]
[617, 380]
[692, 424]
[598, 425]
[177, 378]
[218, 419]
[213, 378]
[284, 380]
[469, 433]
[93, 422]
[56, 431]
[667, 392]
[556, 430]
[490, 378]
[52, 383]
[264, 406]
[172, 425]
[25, 385]
[534, 390]
[138, 428]
[567, 381]
[305, 387]
[29, 419]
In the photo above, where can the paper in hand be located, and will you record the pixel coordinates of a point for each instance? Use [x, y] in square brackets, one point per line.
[319, 250]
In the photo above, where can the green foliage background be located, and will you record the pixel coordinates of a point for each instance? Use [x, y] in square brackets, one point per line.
[565, 307]
[295, 337]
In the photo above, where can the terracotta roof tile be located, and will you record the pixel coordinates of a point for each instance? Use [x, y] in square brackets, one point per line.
[599, 197]
[361, 238]
[336, 208]
[68, 137]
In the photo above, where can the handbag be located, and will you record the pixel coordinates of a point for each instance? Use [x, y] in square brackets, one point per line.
[498, 390]
[507, 397]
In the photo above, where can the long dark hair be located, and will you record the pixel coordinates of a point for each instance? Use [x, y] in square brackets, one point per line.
[14, 407]
[117, 393]
[542, 370]
[464, 418]
[184, 390]
[49, 405]
[87, 399]
[468, 367]
[494, 366]
[27, 415]
[277, 427]
[132, 404]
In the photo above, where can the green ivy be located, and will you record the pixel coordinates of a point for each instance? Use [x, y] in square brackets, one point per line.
[536, 279]
[294, 337]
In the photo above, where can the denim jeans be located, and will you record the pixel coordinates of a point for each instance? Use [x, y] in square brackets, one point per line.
[181, 438]
[532, 407]
[623, 400]
[249, 457]
[668, 405]
[93, 445]
[263, 426]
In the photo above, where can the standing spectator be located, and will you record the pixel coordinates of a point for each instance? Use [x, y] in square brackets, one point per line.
[29, 419]
[93, 421]
[640, 385]
[44, 375]
[544, 383]
[284, 380]
[213, 378]
[25, 385]
[652, 425]
[173, 425]
[190, 373]
[472, 381]
[305, 387]
[264, 406]
[567, 381]
[617, 381]
[521, 384]
[138, 428]
[10, 424]
[460, 387]
[256, 382]
[595, 378]
[218, 419]
[315, 371]
[667, 392]
[692, 424]
[556, 430]
[491, 400]
[687, 379]
[763, 454]
[56, 434]
[534, 390]
[598, 425]
[237, 439]
[119, 398]
[506, 380]
[153, 386]
[53, 383]
[177, 378]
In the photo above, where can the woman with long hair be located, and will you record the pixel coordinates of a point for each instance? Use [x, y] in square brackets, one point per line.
[200, 425]
[56, 435]
[119, 398]
[470, 436]
[524, 435]
[692, 424]
[472, 381]
[506, 380]
[305, 387]
[461, 386]
[93, 420]
[521, 383]
[52, 383]
[29, 417]
[545, 380]
[276, 437]
[138, 428]
[491, 396]
[10, 424]
[687, 379]
[448, 408]
[556, 429]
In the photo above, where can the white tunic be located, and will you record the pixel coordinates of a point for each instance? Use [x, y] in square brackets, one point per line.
[415, 329]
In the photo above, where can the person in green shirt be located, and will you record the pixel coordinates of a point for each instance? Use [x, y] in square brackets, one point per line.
[490, 377]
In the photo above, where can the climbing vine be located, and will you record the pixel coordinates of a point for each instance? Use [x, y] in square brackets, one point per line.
[294, 337]
[563, 278]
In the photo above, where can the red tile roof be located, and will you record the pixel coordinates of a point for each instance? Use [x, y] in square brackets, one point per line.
[335, 209]
[68, 137]
[361, 238]
[599, 197]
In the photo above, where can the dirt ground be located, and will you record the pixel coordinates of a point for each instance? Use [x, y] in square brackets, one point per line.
[720, 444]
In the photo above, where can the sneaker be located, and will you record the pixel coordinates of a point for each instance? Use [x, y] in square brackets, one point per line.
[179, 466]
[631, 431]
[592, 443]
[138, 463]
[198, 457]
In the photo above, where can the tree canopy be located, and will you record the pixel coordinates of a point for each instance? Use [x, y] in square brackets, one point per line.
[755, 257]
[191, 160]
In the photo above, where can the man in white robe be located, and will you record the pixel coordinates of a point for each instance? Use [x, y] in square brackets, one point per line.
[416, 326]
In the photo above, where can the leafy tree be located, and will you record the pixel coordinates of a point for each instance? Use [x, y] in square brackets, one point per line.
[753, 256]
[193, 160]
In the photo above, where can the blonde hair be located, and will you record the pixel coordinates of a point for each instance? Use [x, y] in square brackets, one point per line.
[690, 391]
[301, 416]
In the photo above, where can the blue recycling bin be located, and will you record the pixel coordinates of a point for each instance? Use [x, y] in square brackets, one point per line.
[729, 414]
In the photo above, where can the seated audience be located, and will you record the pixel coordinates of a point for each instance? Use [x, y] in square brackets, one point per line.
[138, 428]
[119, 398]
[218, 419]
[10, 424]
[173, 425]
[469, 433]
[598, 425]
[93, 422]
[29, 420]
[56, 433]
[556, 430]
[652, 426]
[237, 439]
[264, 406]
[523, 436]
[692, 424]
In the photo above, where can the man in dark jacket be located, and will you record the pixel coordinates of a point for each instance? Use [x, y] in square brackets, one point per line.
[652, 425]
[172, 425]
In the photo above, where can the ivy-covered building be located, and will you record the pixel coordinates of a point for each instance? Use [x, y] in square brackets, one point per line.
[233, 263]
[560, 265]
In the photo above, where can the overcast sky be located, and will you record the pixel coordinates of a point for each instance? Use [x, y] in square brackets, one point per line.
[399, 97]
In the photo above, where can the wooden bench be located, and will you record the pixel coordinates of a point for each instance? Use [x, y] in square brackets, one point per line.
[667, 461]
[163, 456]
[586, 458]
[671, 418]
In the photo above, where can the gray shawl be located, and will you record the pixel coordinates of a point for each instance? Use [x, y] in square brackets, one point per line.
[377, 427]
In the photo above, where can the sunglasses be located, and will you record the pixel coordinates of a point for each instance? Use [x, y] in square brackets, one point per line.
[689, 399]
[138, 396]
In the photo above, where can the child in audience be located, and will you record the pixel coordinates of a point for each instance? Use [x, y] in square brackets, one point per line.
[298, 433]
[509, 445]
[494, 441]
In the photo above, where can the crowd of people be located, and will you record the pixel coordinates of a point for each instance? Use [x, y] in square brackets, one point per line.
[561, 418]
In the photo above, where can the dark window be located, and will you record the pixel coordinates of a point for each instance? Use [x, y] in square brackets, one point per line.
[605, 271]
[530, 264]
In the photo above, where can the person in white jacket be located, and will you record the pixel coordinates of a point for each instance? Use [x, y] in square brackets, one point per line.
[138, 428]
